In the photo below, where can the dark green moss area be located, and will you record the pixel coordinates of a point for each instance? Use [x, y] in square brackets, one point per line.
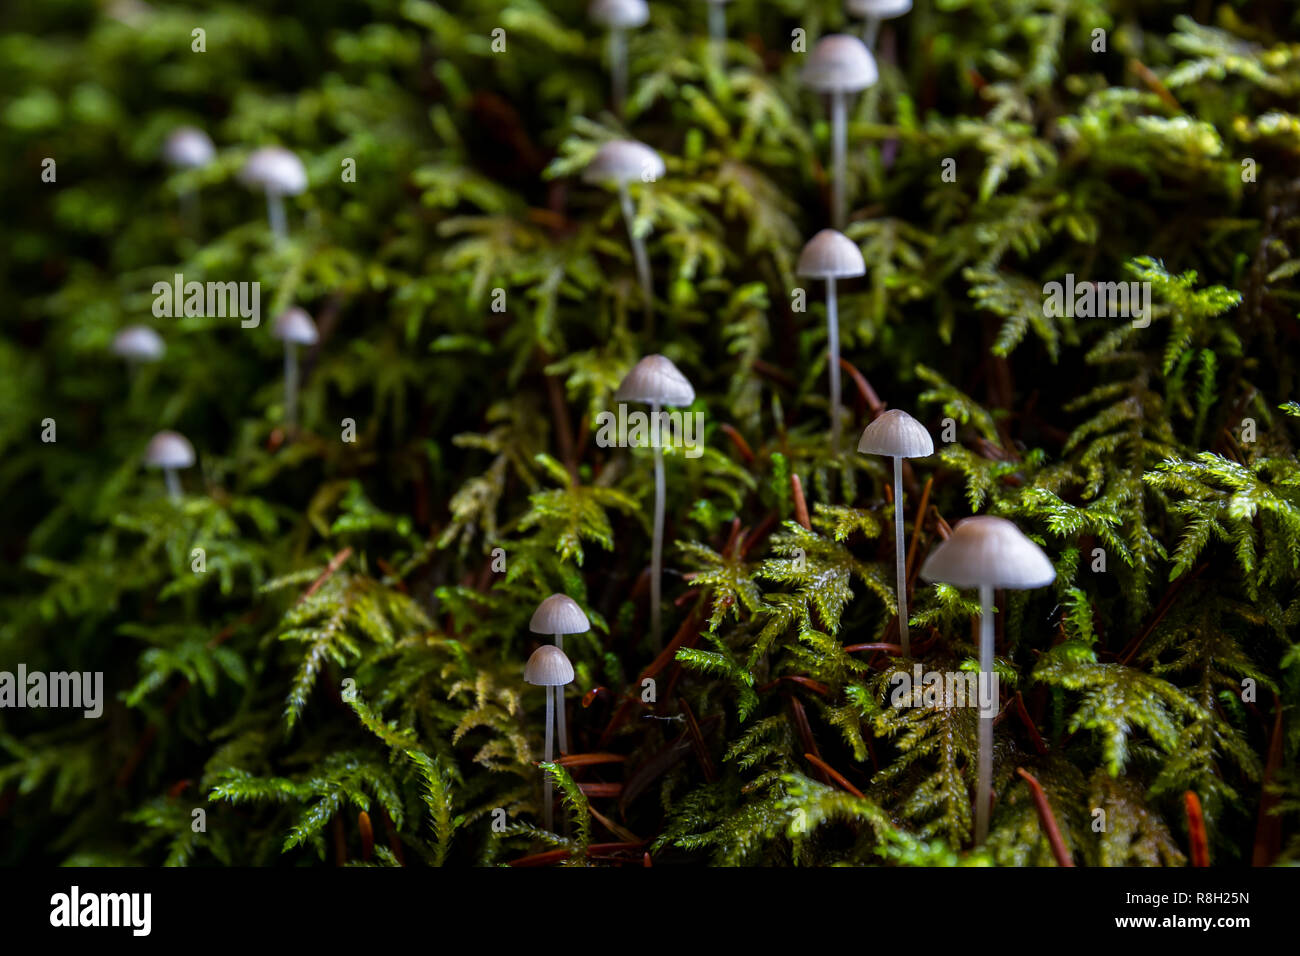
[321, 643]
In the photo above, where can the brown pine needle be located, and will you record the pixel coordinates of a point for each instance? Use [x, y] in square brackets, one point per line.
[834, 774]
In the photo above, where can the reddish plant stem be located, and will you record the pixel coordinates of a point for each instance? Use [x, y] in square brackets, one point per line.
[1047, 819]
[738, 440]
[1034, 736]
[1196, 830]
[800, 505]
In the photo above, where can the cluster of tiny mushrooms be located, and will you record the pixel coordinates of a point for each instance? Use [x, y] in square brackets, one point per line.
[982, 552]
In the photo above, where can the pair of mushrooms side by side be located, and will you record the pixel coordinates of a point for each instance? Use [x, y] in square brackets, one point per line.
[276, 171]
[984, 552]
[171, 451]
[549, 667]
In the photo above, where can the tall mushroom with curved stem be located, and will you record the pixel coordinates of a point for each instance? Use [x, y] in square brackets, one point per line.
[987, 552]
[831, 255]
[294, 327]
[279, 173]
[656, 381]
[619, 16]
[872, 12]
[618, 163]
[558, 615]
[550, 669]
[188, 147]
[839, 65]
[897, 435]
[170, 451]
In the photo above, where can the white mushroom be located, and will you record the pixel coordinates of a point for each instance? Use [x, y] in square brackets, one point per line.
[550, 669]
[898, 435]
[138, 343]
[839, 65]
[831, 255]
[987, 552]
[619, 16]
[187, 147]
[294, 327]
[279, 173]
[169, 451]
[558, 615]
[617, 163]
[656, 381]
[873, 11]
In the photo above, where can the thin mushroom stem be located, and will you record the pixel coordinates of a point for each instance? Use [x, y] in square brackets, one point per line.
[190, 210]
[547, 811]
[640, 256]
[173, 483]
[657, 546]
[833, 344]
[984, 776]
[900, 555]
[290, 385]
[717, 25]
[559, 694]
[839, 147]
[618, 68]
[870, 28]
[275, 213]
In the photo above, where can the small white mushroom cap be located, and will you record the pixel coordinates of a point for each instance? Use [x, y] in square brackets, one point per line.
[559, 614]
[138, 343]
[619, 14]
[548, 667]
[624, 161]
[880, 9]
[655, 380]
[169, 449]
[896, 434]
[840, 63]
[295, 325]
[831, 255]
[986, 550]
[188, 148]
[275, 169]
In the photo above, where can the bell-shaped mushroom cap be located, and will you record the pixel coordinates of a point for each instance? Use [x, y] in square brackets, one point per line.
[188, 148]
[655, 380]
[986, 550]
[624, 161]
[831, 255]
[896, 434]
[548, 667]
[138, 343]
[559, 614]
[840, 63]
[169, 449]
[276, 170]
[880, 9]
[295, 325]
[619, 14]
